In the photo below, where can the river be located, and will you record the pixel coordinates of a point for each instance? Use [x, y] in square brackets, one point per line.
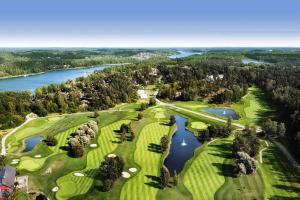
[32, 82]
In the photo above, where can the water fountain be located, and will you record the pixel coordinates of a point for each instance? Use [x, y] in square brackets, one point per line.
[183, 143]
[224, 112]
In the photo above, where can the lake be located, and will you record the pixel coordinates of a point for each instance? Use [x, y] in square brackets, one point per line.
[224, 112]
[183, 54]
[32, 142]
[182, 148]
[35, 81]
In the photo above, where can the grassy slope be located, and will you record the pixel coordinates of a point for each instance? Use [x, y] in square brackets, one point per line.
[145, 184]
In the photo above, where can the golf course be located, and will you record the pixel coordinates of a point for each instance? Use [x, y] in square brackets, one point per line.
[207, 175]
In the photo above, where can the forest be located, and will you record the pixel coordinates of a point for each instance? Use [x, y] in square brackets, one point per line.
[222, 80]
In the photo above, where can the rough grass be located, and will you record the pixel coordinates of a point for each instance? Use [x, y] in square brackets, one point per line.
[245, 187]
[107, 142]
[145, 185]
[281, 181]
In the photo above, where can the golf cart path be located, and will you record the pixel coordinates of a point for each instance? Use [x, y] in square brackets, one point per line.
[260, 152]
[288, 155]
[197, 113]
[3, 141]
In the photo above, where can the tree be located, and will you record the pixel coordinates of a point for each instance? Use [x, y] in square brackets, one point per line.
[41, 197]
[244, 164]
[175, 178]
[124, 128]
[111, 168]
[248, 143]
[164, 177]
[143, 106]
[172, 120]
[96, 114]
[229, 125]
[281, 129]
[78, 150]
[123, 137]
[132, 135]
[107, 185]
[164, 142]
[140, 116]
[270, 128]
[2, 161]
[51, 140]
[152, 101]
[297, 138]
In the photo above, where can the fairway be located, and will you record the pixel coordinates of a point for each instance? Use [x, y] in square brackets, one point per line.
[107, 142]
[205, 175]
[252, 108]
[145, 182]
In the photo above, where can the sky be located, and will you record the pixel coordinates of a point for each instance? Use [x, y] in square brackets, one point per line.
[151, 23]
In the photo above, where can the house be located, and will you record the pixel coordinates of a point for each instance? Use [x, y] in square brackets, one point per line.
[7, 180]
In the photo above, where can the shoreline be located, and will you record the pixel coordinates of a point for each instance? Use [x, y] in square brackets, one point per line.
[60, 69]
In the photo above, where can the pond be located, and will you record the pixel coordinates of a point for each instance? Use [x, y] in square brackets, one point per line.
[32, 142]
[224, 112]
[182, 148]
[32, 82]
[183, 54]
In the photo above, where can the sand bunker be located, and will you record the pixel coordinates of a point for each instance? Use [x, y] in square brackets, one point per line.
[93, 145]
[15, 161]
[55, 189]
[38, 156]
[111, 155]
[125, 175]
[78, 174]
[133, 169]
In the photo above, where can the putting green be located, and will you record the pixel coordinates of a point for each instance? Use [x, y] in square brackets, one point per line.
[198, 125]
[68, 189]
